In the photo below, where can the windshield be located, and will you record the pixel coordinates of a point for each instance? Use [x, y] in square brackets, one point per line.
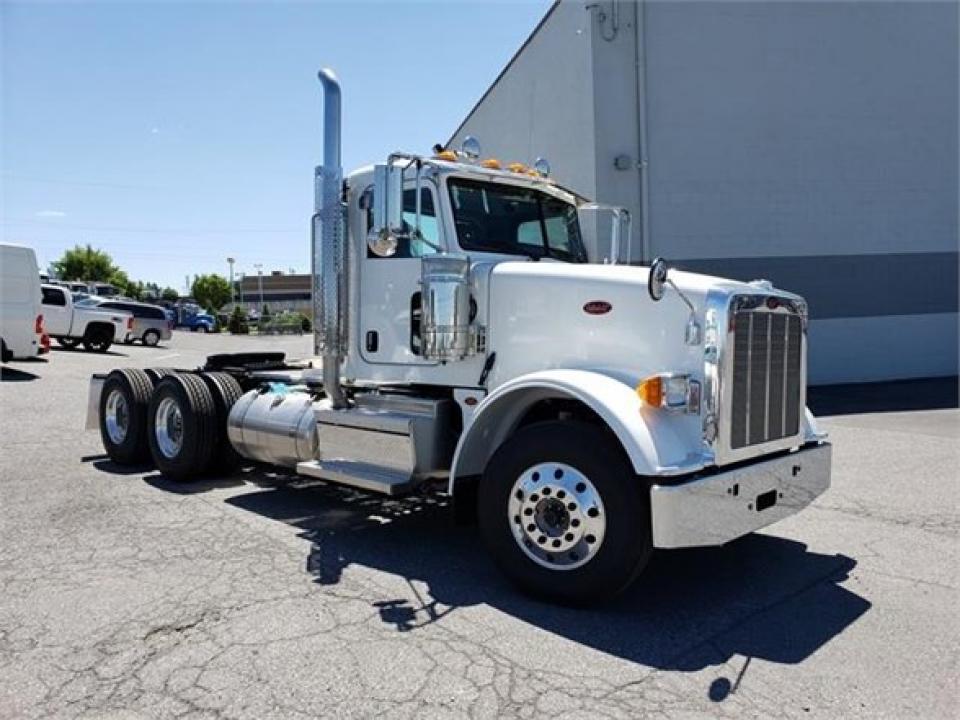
[490, 217]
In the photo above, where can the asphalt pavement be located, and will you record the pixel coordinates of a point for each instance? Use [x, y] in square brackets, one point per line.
[261, 595]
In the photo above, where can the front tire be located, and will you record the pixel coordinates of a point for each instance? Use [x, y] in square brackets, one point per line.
[182, 426]
[563, 514]
[97, 341]
[123, 416]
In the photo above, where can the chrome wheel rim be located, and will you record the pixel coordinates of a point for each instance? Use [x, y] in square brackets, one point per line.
[168, 428]
[117, 417]
[556, 516]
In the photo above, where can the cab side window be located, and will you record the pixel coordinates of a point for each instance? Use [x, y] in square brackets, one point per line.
[410, 247]
[53, 297]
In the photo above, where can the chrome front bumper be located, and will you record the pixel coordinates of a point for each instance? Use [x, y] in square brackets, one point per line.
[716, 509]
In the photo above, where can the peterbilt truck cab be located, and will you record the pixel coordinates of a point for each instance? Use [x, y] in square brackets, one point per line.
[477, 332]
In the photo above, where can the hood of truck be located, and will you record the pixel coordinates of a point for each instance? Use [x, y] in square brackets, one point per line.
[544, 315]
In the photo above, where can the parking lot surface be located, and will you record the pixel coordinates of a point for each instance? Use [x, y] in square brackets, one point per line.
[264, 596]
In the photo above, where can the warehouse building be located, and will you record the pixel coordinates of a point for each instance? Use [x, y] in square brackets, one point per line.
[277, 290]
[813, 144]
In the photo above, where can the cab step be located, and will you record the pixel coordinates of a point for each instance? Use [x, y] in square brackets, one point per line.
[363, 475]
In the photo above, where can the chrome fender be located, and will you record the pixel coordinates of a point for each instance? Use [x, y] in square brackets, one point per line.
[655, 442]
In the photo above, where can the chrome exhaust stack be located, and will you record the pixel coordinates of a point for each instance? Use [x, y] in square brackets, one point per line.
[329, 248]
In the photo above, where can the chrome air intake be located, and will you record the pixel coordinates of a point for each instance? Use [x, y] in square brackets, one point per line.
[329, 251]
[445, 280]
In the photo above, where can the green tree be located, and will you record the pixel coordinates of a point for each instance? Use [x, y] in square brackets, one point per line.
[85, 263]
[122, 282]
[211, 290]
[238, 321]
[169, 294]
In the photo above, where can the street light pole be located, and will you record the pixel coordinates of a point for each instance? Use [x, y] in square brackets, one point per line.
[259, 267]
[233, 299]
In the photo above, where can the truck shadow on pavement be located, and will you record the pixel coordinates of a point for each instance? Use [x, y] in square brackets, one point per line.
[761, 596]
[9, 374]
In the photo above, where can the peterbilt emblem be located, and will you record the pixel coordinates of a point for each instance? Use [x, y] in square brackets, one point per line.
[597, 307]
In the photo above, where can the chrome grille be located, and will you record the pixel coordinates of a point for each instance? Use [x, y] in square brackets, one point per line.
[767, 357]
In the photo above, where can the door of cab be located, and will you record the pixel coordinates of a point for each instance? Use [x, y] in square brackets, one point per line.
[56, 311]
[390, 286]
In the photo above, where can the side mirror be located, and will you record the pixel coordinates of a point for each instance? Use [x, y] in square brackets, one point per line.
[383, 237]
[605, 231]
[657, 280]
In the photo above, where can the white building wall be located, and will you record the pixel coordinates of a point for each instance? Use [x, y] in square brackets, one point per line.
[541, 104]
[810, 143]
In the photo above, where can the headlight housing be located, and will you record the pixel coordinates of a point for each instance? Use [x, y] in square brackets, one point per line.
[670, 391]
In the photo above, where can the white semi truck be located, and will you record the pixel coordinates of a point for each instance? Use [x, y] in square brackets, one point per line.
[583, 411]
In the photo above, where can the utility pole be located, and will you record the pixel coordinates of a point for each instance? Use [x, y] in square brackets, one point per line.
[233, 300]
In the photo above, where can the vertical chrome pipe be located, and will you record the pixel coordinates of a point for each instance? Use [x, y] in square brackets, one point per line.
[329, 248]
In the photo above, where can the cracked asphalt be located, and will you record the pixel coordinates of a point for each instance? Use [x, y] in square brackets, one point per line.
[260, 595]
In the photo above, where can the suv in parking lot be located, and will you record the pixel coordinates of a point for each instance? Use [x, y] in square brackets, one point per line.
[150, 322]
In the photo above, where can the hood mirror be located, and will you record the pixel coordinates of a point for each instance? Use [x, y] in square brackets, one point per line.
[657, 283]
[657, 280]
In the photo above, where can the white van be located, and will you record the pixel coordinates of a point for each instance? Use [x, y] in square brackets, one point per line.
[21, 322]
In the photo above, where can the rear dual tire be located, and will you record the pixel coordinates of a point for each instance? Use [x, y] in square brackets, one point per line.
[179, 420]
[181, 426]
[123, 415]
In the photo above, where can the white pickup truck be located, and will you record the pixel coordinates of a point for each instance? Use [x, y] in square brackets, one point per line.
[72, 324]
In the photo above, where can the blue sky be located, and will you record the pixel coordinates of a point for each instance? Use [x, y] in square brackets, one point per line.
[176, 134]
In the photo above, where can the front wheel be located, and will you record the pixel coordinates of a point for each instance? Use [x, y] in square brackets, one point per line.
[151, 338]
[563, 514]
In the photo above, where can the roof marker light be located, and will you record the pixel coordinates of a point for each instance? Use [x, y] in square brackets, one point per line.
[471, 148]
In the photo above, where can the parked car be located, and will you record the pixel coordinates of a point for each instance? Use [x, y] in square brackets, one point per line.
[72, 324]
[150, 322]
[21, 320]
